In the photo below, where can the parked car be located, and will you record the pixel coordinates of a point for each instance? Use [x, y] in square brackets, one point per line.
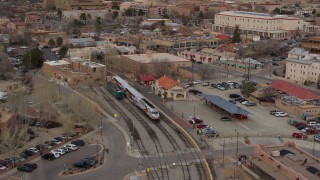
[225, 119]
[5, 163]
[292, 122]
[302, 126]
[300, 135]
[240, 116]
[194, 91]
[66, 149]
[234, 96]
[34, 150]
[55, 141]
[309, 131]
[29, 102]
[197, 82]
[213, 85]
[233, 101]
[312, 123]
[24, 169]
[206, 84]
[33, 166]
[281, 114]
[194, 120]
[211, 133]
[250, 103]
[273, 112]
[299, 124]
[78, 142]
[242, 100]
[71, 146]
[201, 126]
[82, 164]
[59, 151]
[48, 156]
[2, 167]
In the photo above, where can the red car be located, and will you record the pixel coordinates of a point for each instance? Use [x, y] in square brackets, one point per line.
[300, 135]
[201, 126]
[240, 116]
[194, 120]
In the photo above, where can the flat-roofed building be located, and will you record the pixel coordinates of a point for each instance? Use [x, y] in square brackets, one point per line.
[81, 4]
[264, 25]
[286, 161]
[312, 44]
[146, 63]
[302, 66]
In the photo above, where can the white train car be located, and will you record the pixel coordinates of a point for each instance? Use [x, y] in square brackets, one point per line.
[138, 99]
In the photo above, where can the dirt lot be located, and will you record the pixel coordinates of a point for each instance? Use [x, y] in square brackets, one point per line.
[259, 122]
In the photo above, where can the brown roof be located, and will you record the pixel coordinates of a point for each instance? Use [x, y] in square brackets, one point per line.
[166, 83]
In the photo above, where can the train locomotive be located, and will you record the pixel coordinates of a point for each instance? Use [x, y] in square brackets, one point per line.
[136, 98]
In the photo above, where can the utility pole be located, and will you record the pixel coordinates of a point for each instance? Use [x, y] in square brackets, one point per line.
[224, 143]
[237, 144]
[314, 144]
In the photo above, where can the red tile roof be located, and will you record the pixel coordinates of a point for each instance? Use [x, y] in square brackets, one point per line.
[294, 90]
[166, 83]
[146, 78]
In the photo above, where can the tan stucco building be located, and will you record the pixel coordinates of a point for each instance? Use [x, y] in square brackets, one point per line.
[264, 25]
[77, 4]
[146, 63]
[302, 66]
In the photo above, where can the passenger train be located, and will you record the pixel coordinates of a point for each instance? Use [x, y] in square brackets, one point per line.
[136, 98]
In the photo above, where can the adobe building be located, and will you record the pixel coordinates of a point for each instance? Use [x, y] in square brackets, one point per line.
[285, 162]
[147, 63]
[75, 71]
[5, 117]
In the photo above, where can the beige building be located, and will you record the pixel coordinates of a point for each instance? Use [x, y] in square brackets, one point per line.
[302, 66]
[74, 71]
[264, 25]
[146, 63]
[77, 4]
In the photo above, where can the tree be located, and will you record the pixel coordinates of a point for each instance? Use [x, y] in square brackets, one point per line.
[60, 14]
[33, 59]
[161, 67]
[140, 13]
[276, 11]
[98, 26]
[200, 16]
[247, 88]
[128, 12]
[63, 51]
[51, 42]
[165, 16]
[59, 41]
[268, 93]
[314, 11]
[115, 14]
[275, 72]
[115, 6]
[236, 35]
[12, 138]
[6, 67]
[83, 18]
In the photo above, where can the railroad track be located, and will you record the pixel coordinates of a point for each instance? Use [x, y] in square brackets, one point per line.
[196, 156]
[164, 172]
[137, 139]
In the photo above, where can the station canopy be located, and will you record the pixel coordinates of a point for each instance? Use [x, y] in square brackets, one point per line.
[225, 105]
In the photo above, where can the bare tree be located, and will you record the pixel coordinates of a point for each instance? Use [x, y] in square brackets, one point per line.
[12, 138]
[161, 67]
[268, 93]
[6, 67]
[203, 72]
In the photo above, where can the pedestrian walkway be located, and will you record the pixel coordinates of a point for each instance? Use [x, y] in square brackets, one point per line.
[217, 143]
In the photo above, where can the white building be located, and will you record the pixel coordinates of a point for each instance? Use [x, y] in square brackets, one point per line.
[302, 66]
[264, 25]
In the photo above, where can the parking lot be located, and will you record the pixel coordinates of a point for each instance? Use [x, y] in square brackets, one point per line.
[259, 121]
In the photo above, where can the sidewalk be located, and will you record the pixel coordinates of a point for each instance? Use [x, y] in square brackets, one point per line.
[217, 143]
